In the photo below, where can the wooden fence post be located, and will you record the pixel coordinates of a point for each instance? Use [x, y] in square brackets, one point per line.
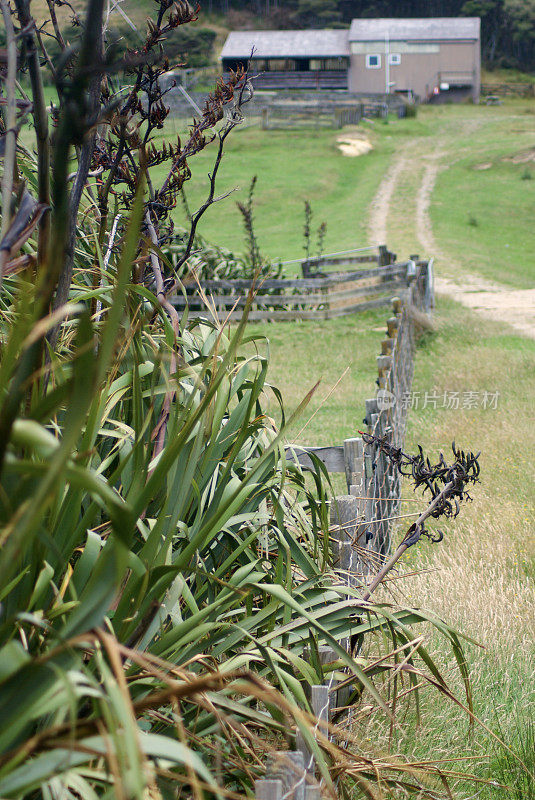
[384, 364]
[320, 703]
[320, 706]
[268, 789]
[265, 124]
[397, 306]
[312, 791]
[392, 327]
[353, 453]
[288, 767]
[429, 297]
[387, 345]
[343, 518]
[384, 256]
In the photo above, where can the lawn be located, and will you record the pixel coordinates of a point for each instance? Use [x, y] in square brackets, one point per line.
[292, 167]
[488, 225]
[338, 353]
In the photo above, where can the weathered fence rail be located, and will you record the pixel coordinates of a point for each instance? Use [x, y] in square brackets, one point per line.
[293, 115]
[362, 520]
[319, 294]
[324, 114]
[370, 474]
[329, 98]
[509, 89]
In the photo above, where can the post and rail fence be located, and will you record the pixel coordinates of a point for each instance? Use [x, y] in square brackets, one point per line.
[361, 521]
[524, 89]
[323, 114]
[331, 286]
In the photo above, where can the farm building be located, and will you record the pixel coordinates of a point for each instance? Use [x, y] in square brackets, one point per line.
[429, 58]
[316, 59]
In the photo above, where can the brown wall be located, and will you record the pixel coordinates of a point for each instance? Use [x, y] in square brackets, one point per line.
[455, 63]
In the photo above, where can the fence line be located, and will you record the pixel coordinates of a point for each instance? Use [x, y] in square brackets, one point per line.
[361, 519]
[327, 289]
[325, 114]
[508, 89]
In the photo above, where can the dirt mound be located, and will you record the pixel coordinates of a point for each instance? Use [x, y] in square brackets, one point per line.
[353, 143]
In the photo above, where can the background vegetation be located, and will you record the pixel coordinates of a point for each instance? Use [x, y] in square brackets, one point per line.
[508, 26]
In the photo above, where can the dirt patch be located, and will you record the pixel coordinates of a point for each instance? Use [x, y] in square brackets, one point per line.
[522, 158]
[486, 165]
[353, 143]
[516, 307]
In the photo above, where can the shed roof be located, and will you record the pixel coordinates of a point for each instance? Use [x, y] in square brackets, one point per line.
[287, 44]
[429, 29]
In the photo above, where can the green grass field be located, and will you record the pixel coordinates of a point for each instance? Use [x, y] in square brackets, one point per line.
[481, 209]
[489, 223]
[292, 166]
[340, 354]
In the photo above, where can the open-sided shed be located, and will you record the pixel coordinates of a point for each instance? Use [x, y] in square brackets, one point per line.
[291, 59]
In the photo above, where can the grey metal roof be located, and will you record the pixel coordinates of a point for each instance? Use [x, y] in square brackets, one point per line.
[430, 29]
[287, 44]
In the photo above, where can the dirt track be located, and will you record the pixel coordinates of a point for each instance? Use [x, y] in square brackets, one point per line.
[515, 307]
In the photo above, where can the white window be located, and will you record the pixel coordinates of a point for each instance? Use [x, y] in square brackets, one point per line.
[394, 59]
[373, 61]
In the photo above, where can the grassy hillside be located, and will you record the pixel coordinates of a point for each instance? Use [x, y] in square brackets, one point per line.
[489, 222]
[137, 12]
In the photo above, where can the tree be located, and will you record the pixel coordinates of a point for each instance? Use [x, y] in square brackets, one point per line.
[521, 17]
[318, 13]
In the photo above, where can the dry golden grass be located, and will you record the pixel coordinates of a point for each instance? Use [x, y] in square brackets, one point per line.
[480, 578]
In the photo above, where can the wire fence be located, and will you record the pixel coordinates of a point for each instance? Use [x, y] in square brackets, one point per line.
[362, 521]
